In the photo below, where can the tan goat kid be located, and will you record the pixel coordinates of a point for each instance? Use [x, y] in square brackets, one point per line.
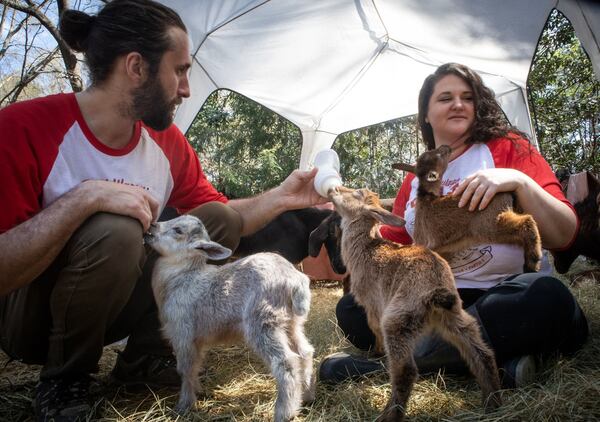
[407, 291]
[444, 227]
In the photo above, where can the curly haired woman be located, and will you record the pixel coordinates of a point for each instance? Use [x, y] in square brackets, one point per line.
[522, 316]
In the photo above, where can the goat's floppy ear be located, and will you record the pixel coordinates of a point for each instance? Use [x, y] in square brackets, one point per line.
[212, 249]
[386, 217]
[406, 167]
[317, 238]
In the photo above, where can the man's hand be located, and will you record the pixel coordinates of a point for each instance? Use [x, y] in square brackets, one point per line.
[29, 248]
[117, 198]
[297, 190]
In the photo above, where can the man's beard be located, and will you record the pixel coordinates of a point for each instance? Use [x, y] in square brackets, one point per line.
[151, 105]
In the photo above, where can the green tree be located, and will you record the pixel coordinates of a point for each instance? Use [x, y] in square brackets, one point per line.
[244, 147]
[367, 154]
[564, 97]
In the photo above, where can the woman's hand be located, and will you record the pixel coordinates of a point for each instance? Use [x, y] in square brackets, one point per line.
[478, 189]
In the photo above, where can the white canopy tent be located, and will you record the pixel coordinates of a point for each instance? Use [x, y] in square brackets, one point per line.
[330, 66]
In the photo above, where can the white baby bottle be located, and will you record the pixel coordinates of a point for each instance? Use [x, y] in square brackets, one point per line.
[328, 176]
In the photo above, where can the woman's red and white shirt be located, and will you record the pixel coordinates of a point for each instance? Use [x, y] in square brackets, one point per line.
[481, 266]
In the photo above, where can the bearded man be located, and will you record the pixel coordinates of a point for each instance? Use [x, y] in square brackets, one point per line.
[83, 177]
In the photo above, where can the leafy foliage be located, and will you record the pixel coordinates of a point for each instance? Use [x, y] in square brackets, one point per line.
[564, 98]
[244, 147]
[367, 154]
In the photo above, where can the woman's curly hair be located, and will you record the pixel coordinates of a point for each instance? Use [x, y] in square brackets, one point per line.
[490, 121]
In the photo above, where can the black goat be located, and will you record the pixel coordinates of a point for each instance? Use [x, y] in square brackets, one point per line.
[587, 242]
[330, 234]
[286, 235]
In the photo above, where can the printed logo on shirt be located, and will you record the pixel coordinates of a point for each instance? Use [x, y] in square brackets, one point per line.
[449, 185]
[470, 259]
[123, 182]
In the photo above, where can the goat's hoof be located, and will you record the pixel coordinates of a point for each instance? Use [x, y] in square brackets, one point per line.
[182, 409]
[309, 391]
[492, 402]
[308, 397]
[391, 414]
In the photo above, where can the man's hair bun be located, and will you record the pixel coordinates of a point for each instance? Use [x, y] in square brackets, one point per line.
[75, 27]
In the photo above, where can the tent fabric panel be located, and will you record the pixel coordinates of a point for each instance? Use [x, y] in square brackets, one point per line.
[487, 35]
[294, 60]
[387, 90]
[514, 105]
[312, 142]
[202, 17]
[336, 65]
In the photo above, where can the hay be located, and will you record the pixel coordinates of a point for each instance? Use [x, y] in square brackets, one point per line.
[239, 388]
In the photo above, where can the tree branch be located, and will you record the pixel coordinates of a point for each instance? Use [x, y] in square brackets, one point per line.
[12, 31]
[29, 76]
[69, 58]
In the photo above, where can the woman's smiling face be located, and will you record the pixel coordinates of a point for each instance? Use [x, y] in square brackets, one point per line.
[451, 111]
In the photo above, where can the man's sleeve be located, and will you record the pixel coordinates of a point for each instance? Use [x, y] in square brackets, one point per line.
[21, 186]
[191, 187]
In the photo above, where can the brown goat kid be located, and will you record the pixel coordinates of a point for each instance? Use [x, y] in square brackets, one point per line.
[444, 227]
[407, 291]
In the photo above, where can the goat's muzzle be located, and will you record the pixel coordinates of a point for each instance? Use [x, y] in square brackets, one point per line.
[149, 235]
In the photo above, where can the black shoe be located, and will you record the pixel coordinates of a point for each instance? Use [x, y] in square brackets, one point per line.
[151, 370]
[62, 399]
[340, 367]
[519, 372]
[432, 353]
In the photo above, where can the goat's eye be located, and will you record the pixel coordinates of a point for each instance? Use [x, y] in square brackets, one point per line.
[177, 230]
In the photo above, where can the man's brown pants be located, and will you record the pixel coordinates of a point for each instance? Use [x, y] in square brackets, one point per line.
[96, 292]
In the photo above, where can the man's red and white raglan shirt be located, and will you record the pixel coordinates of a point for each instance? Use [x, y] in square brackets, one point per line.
[46, 149]
[481, 266]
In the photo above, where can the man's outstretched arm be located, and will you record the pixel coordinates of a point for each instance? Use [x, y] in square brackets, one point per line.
[295, 192]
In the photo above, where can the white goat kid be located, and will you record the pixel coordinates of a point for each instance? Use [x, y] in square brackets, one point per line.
[261, 298]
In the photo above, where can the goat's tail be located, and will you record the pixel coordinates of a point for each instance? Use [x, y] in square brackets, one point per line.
[301, 296]
[440, 297]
